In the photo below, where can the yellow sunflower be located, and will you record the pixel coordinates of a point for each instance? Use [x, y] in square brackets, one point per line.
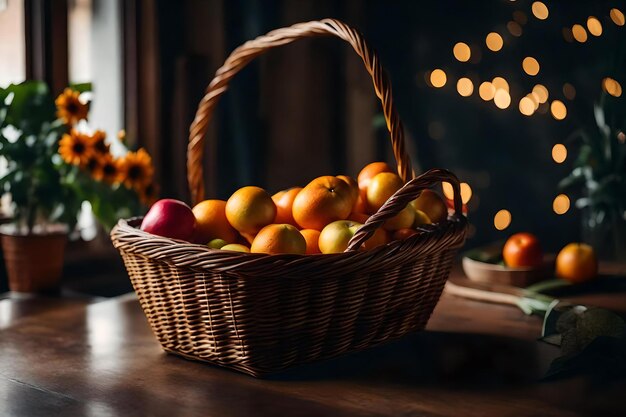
[92, 164]
[136, 170]
[149, 193]
[107, 170]
[69, 108]
[98, 143]
[74, 148]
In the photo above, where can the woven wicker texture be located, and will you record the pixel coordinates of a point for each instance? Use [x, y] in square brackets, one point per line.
[262, 313]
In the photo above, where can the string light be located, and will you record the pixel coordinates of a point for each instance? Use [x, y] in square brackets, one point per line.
[466, 192]
[465, 87]
[535, 99]
[541, 92]
[540, 10]
[561, 204]
[487, 91]
[436, 130]
[494, 42]
[462, 52]
[594, 26]
[530, 66]
[558, 110]
[526, 106]
[520, 17]
[502, 219]
[502, 99]
[514, 29]
[448, 191]
[579, 33]
[438, 78]
[559, 153]
[612, 87]
[500, 84]
[569, 91]
[617, 17]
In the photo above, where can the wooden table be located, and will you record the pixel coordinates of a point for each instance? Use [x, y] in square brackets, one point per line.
[84, 358]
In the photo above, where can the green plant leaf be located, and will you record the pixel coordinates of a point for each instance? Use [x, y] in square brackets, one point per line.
[81, 87]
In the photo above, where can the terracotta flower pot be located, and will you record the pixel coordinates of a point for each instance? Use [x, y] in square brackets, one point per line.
[34, 262]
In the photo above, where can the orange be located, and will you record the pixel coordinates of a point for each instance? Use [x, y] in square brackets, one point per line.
[430, 203]
[354, 186]
[381, 187]
[250, 209]
[380, 237]
[312, 238]
[403, 220]
[322, 201]
[576, 263]
[358, 217]
[211, 222]
[247, 238]
[420, 217]
[359, 205]
[284, 203]
[279, 238]
[402, 234]
[369, 172]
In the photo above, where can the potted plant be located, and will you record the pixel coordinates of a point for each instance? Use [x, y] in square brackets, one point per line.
[599, 174]
[54, 164]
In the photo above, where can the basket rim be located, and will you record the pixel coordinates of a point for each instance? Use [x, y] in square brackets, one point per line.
[129, 239]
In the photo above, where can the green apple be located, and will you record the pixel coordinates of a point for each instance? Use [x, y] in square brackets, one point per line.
[335, 236]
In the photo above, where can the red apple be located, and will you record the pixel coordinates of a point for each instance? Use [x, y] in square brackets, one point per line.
[522, 250]
[170, 218]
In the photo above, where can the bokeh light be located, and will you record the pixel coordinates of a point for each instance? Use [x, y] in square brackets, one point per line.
[465, 87]
[569, 91]
[612, 87]
[561, 204]
[438, 78]
[520, 17]
[487, 91]
[558, 110]
[559, 153]
[530, 65]
[500, 83]
[514, 29]
[448, 191]
[579, 33]
[540, 10]
[502, 99]
[617, 17]
[526, 106]
[535, 99]
[494, 41]
[502, 219]
[542, 93]
[436, 130]
[462, 52]
[567, 35]
[594, 26]
[466, 192]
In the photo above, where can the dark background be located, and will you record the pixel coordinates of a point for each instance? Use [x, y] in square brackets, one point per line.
[308, 109]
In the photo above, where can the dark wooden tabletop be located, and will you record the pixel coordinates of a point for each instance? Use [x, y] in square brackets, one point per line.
[62, 357]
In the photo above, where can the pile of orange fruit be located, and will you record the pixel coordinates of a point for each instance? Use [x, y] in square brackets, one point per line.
[320, 217]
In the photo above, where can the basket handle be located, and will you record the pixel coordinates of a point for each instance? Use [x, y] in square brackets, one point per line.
[245, 53]
[410, 191]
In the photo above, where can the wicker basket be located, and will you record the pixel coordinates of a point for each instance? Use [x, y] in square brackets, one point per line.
[260, 313]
